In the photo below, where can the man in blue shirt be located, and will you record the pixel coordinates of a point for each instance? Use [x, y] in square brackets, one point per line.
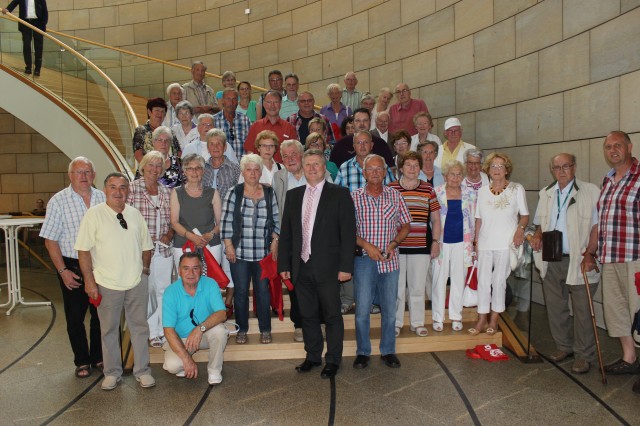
[192, 308]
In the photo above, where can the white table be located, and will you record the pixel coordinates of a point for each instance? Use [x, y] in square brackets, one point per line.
[11, 229]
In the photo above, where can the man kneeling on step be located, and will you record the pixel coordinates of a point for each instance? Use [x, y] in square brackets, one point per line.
[192, 308]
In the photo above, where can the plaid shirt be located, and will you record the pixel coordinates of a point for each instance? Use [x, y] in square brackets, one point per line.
[618, 217]
[253, 241]
[378, 219]
[236, 134]
[140, 199]
[351, 175]
[65, 211]
[228, 175]
[296, 122]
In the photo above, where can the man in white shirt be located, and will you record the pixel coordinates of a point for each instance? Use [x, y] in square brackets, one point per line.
[205, 123]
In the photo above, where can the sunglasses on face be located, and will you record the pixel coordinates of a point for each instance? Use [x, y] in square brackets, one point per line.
[123, 222]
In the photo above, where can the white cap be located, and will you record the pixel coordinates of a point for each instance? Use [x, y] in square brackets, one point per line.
[453, 121]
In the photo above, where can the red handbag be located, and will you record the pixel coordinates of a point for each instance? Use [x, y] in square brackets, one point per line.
[213, 269]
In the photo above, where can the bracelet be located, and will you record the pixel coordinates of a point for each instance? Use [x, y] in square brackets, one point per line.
[396, 241]
[435, 241]
[62, 270]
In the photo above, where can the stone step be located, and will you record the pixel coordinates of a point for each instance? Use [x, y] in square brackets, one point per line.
[283, 346]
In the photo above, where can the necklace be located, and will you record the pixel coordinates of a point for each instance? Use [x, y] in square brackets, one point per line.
[402, 184]
[197, 190]
[498, 191]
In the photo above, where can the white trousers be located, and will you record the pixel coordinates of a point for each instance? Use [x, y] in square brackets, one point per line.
[414, 269]
[450, 265]
[214, 339]
[494, 268]
[218, 253]
[159, 280]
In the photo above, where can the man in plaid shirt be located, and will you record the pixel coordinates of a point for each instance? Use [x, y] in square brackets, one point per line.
[350, 173]
[619, 249]
[382, 220]
[234, 124]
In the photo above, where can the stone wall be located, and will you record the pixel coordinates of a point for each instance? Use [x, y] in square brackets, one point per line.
[31, 167]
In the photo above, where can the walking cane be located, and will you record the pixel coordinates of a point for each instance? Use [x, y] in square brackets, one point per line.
[593, 322]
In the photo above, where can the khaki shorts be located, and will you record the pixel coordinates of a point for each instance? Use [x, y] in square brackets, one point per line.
[620, 296]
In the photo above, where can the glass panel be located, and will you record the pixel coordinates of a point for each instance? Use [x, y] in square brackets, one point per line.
[68, 75]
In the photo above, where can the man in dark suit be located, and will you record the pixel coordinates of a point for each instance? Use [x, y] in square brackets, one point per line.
[317, 241]
[34, 12]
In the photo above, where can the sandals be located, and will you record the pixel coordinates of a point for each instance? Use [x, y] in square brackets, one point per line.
[265, 337]
[83, 371]
[473, 331]
[241, 337]
[98, 366]
[456, 325]
[490, 331]
[420, 331]
[437, 326]
[156, 342]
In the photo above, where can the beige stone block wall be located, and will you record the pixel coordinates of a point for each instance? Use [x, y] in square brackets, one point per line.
[528, 76]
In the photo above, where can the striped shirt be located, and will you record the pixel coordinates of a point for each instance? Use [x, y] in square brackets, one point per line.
[152, 211]
[253, 238]
[64, 214]
[378, 219]
[226, 176]
[619, 215]
[421, 202]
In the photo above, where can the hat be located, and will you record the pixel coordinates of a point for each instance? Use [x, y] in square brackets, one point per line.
[453, 121]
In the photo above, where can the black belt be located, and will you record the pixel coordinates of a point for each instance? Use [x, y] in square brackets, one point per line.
[565, 255]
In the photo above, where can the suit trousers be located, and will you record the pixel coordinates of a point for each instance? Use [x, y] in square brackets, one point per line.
[581, 339]
[38, 41]
[134, 302]
[214, 339]
[319, 301]
[76, 303]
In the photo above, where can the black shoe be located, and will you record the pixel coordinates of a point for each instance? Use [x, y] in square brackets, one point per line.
[329, 370]
[622, 367]
[361, 361]
[307, 365]
[391, 360]
[36, 73]
[27, 70]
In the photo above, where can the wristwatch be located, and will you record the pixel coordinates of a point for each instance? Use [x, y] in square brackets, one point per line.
[203, 328]
[62, 270]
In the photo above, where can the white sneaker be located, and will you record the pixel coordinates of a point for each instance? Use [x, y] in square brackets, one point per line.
[146, 381]
[156, 342]
[110, 382]
[215, 379]
[297, 335]
[181, 374]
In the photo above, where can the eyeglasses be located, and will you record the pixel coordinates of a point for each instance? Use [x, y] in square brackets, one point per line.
[364, 142]
[564, 167]
[267, 146]
[232, 134]
[473, 163]
[403, 92]
[193, 169]
[194, 320]
[497, 166]
[305, 101]
[374, 169]
[123, 222]
[83, 172]
[206, 124]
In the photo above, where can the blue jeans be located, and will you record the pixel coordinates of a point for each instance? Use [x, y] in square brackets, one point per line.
[244, 272]
[367, 282]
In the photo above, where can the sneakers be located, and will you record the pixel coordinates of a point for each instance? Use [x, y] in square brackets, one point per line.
[110, 382]
[622, 367]
[398, 329]
[215, 379]
[146, 381]
[156, 342]
[375, 309]
[297, 335]
[181, 374]
[580, 366]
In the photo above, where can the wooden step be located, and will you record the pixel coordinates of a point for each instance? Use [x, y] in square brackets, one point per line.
[283, 346]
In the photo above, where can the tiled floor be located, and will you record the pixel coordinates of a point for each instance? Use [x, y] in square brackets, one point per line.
[40, 387]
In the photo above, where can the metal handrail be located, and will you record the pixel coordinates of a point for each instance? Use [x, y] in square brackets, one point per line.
[132, 116]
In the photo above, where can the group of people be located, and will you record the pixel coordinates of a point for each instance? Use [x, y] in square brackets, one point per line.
[371, 219]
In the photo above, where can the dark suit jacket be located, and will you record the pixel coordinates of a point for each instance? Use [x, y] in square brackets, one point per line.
[41, 12]
[343, 151]
[334, 234]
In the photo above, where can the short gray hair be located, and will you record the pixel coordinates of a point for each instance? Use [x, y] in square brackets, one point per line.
[203, 116]
[316, 153]
[81, 160]
[192, 158]
[173, 86]
[161, 130]
[216, 133]
[333, 86]
[292, 142]
[475, 153]
[251, 159]
[435, 146]
[452, 165]
[184, 105]
[194, 63]
[573, 158]
[371, 157]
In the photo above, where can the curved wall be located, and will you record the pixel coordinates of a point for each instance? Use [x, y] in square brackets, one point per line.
[531, 78]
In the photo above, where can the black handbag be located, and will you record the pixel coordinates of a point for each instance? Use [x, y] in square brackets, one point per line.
[552, 246]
